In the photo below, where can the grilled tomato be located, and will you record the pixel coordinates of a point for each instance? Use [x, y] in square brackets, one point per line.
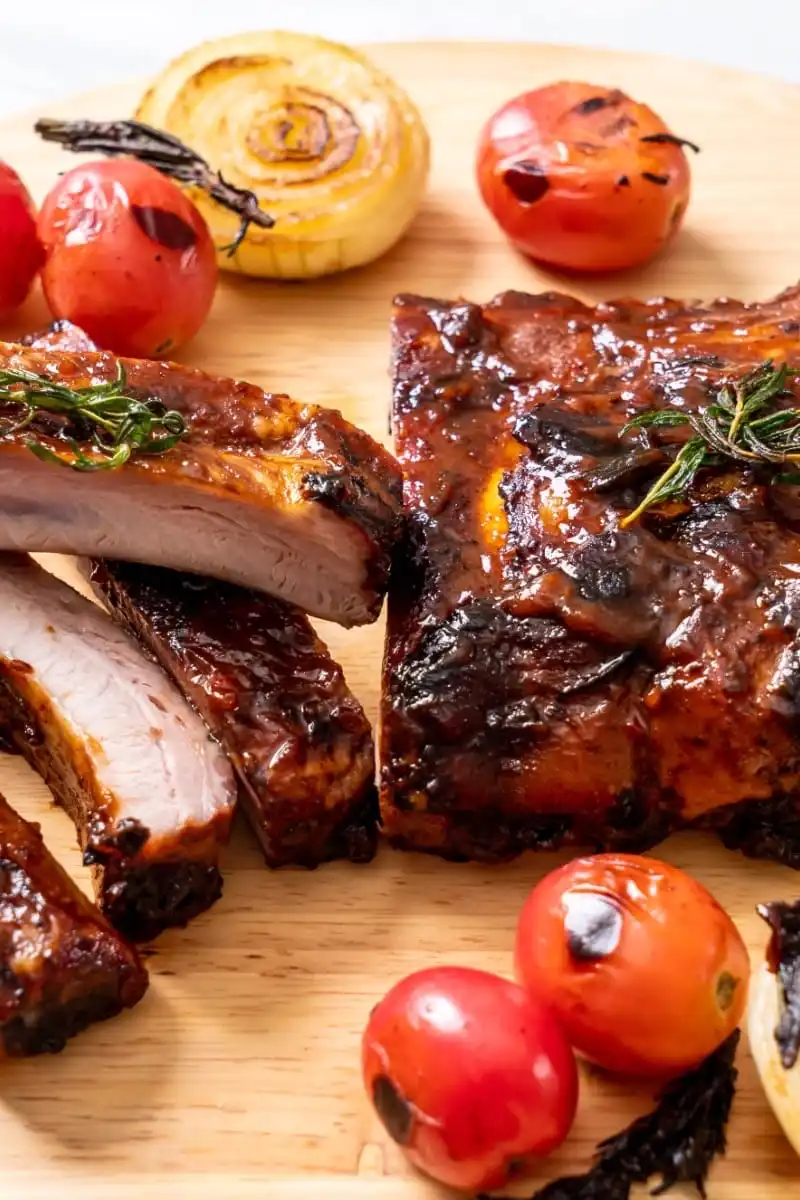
[583, 178]
[645, 971]
[470, 1075]
[21, 253]
[129, 258]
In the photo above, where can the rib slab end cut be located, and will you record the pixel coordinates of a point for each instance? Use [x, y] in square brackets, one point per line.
[263, 491]
[151, 795]
[62, 966]
[554, 673]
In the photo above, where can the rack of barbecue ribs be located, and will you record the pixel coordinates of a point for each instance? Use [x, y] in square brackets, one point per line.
[270, 693]
[62, 966]
[263, 491]
[151, 795]
[554, 674]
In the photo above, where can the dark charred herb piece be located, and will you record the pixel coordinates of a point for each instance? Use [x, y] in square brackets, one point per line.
[651, 177]
[115, 424]
[783, 956]
[744, 422]
[167, 154]
[678, 1140]
[669, 139]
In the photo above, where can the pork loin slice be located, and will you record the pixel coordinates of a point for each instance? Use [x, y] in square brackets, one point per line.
[266, 686]
[265, 492]
[62, 966]
[150, 793]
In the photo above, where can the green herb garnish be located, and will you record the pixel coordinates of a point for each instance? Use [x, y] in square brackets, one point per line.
[743, 422]
[115, 424]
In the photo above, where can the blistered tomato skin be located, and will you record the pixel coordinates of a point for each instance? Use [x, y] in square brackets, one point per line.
[129, 258]
[582, 178]
[21, 253]
[646, 973]
[472, 1077]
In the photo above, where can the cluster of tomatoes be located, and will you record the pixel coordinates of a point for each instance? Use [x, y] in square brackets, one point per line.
[624, 959]
[122, 252]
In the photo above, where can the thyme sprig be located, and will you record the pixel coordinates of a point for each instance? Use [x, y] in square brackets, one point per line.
[114, 423]
[744, 422]
[168, 154]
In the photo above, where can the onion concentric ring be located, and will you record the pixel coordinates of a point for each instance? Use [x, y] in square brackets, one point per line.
[335, 151]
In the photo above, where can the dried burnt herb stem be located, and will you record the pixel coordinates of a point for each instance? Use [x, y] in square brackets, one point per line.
[114, 423]
[783, 956]
[167, 154]
[745, 422]
[678, 1140]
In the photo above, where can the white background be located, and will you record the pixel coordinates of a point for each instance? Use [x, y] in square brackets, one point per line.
[50, 48]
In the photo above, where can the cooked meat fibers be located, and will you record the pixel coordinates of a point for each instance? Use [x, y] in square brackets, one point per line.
[284, 497]
[150, 793]
[551, 676]
[62, 966]
[269, 691]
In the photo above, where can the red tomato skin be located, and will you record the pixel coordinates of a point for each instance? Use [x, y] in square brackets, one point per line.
[21, 253]
[655, 1003]
[129, 258]
[604, 200]
[485, 1074]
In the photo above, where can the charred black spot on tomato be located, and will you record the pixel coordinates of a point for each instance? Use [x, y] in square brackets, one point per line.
[623, 181]
[164, 227]
[596, 103]
[726, 990]
[669, 139]
[593, 925]
[393, 1109]
[527, 181]
[651, 177]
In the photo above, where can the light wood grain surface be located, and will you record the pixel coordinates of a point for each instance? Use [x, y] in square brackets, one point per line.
[238, 1076]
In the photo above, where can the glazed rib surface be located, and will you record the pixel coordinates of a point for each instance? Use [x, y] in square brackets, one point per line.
[269, 691]
[265, 492]
[549, 675]
[62, 966]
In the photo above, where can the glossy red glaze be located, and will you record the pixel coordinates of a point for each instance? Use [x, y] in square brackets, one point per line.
[572, 177]
[469, 1074]
[129, 258]
[645, 971]
[21, 253]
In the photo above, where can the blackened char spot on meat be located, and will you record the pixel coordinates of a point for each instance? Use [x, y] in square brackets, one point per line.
[164, 227]
[141, 901]
[761, 828]
[460, 326]
[550, 430]
[790, 326]
[346, 493]
[492, 837]
[526, 180]
[597, 571]
[57, 1023]
[783, 957]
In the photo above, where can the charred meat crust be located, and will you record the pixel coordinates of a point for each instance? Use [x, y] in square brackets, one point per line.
[62, 966]
[549, 676]
[269, 691]
[298, 476]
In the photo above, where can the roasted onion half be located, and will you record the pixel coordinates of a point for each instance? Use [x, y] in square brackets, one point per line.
[334, 150]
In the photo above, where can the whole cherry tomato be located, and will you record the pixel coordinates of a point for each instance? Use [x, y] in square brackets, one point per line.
[129, 257]
[583, 178]
[469, 1074]
[645, 971]
[21, 254]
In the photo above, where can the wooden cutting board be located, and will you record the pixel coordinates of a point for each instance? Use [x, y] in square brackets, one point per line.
[238, 1076]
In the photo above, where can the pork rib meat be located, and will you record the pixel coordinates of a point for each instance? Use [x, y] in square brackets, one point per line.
[151, 795]
[62, 966]
[552, 675]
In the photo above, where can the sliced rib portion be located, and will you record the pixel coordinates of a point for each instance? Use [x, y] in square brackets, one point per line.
[553, 674]
[265, 492]
[62, 966]
[266, 686]
[150, 793]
